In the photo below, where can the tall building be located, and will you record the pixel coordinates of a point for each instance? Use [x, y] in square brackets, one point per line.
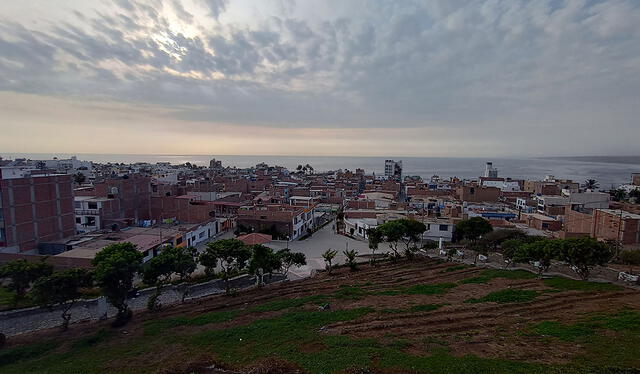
[490, 171]
[34, 209]
[215, 164]
[393, 169]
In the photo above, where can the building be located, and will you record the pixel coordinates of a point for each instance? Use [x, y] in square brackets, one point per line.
[281, 221]
[96, 213]
[609, 224]
[478, 194]
[34, 209]
[214, 164]
[490, 171]
[393, 169]
[542, 222]
[635, 179]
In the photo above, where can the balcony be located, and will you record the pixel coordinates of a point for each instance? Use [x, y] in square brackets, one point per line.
[88, 212]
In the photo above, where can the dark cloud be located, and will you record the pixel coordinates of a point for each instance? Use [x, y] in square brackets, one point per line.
[499, 64]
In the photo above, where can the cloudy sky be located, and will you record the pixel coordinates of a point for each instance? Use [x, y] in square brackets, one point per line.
[287, 77]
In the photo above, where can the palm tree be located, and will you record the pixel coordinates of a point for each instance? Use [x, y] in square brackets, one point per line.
[591, 184]
[328, 257]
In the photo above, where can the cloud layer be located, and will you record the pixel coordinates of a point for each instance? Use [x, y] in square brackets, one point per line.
[394, 77]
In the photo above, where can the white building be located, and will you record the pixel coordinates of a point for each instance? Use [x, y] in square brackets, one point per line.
[490, 171]
[393, 169]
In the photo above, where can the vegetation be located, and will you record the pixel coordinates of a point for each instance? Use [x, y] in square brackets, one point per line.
[375, 237]
[487, 275]
[406, 231]
[229, 254]
[61, 289]
[263, 261]
[540, 252]
[630, 257]
[509, 295]
[21, 274]
[351, 259]
[114, 268]
[473, 228]
[582, 254]
[288, 259]
[328, 257]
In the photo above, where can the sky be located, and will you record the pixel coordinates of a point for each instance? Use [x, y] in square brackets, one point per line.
[334, 77]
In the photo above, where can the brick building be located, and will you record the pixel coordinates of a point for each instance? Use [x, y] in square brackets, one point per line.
[616, 225]
[34, 210]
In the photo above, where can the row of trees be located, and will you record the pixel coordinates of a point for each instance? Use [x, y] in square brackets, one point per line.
[116, 266]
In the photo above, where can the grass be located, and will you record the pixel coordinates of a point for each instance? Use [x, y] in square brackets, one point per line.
[567, 333]
[25, 352]
[489, 274]
[158, 326]
[282, 304]
[455, 268]
[413, 309]
[564, 284]
[508, 295]
[429, 289]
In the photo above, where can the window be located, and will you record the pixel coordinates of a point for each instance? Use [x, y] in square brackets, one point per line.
[1, 235]
[93, 205]
[201, 235]
[444, 227]
[91, 221]
[178, 240]
[78, 220]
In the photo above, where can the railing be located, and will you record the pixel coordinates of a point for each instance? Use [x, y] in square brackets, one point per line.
[87, 212]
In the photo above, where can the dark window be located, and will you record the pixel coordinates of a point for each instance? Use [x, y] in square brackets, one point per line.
[1, 235]
[444, 228]
[78, 220]
[179, 240]
[93, 205]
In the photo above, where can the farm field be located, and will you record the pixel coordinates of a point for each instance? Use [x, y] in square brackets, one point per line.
[423, 316]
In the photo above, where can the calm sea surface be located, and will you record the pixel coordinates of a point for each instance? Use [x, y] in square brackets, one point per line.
[607, 170]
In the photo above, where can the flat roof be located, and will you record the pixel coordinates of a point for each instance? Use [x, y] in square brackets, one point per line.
[620, 212]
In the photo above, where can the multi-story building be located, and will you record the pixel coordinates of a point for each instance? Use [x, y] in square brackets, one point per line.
[277, 220]
[616, 225]
[393, 169]
[490, 171]
[34, 209]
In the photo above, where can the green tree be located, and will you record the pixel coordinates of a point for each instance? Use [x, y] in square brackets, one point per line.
[584, 253]
[591, 184]
[393, 233]
[375, 237]
[21, 275]
[114, 268]
[413, 231]
[61, 289]
[473, 228]
[618, 195]
[492, 240]
[157, 272]
[230, 254]
[509, 248]
[263, 261]
[630, 257]
[328, 257]
[289, 259]
[542, 252]
[351, 259]
[185, 263]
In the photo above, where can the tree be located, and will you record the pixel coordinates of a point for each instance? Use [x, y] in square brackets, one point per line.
[591, 184]
[114, 268]
[351, 259]
[542, 252]
[185, 264]
[157, 272]
[79, 178]
[473, 228]
[630, 257]
[375, 238]
[412, 234]
[584, 253]
[61, 289]
[509, 249]
[328, 257]
[492, 240]
[618, 195]
[229, 254]
[288, 259]
[22, 274]
[393, 232]
[263, 260]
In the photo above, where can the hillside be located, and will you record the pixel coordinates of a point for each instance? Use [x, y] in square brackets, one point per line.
[420, 316]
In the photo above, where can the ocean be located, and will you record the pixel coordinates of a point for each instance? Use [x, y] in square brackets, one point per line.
[609, 171]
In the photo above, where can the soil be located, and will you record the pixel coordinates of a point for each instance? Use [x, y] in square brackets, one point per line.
[482, 329]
